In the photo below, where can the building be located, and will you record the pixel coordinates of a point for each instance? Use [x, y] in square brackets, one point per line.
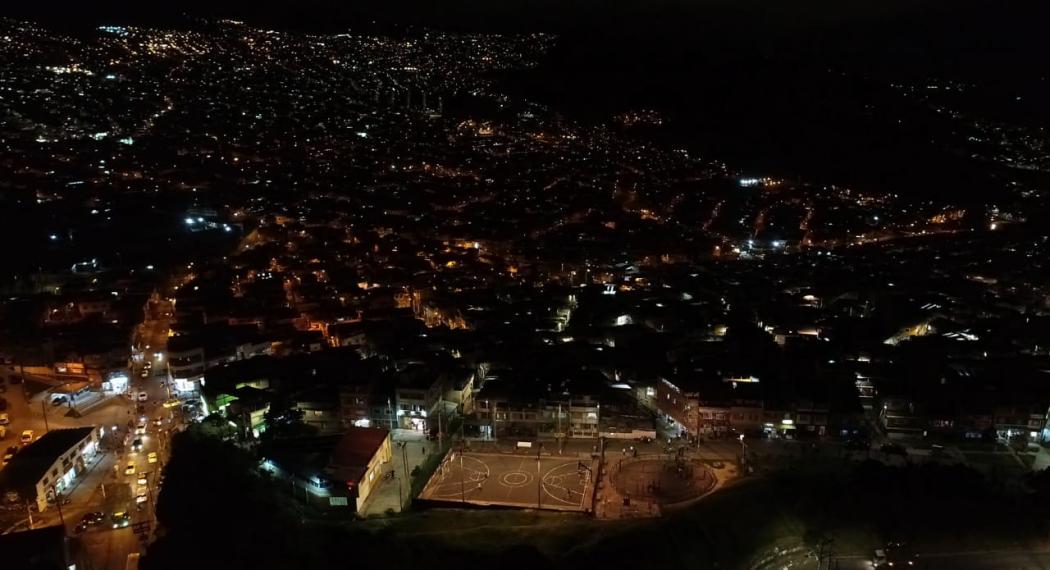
[416, 395]
[189, 355]
[565, 408]
[681, 402]
[355, 404]
[333, 471]
[186, 365]
[47, 547]
[49, 465]
[320, 409]
[358, 460]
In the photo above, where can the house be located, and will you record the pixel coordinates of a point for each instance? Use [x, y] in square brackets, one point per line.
[333, 471]
[321, 409]
[49, 465]
[354, 404]
[358, 460]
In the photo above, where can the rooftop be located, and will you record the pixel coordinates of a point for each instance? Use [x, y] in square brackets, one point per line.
[29, 465]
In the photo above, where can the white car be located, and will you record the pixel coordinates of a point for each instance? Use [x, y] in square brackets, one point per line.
[141, 498]
[27, 437]
[141, 480]
[143, 396]
[152, 457]
[130, 469]
[4, 419]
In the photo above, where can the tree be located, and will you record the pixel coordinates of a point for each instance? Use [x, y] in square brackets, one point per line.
[216, 510]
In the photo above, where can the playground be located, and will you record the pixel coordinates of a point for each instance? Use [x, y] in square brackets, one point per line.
[664, 480]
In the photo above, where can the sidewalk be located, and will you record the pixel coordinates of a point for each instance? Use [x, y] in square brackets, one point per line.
[386, 496]
[87, 404]
[83, 494]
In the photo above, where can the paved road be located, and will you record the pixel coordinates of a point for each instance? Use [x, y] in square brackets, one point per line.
[110, 548]
[107, 487]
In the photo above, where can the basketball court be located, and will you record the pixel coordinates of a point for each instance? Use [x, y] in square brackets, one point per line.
[486, 479]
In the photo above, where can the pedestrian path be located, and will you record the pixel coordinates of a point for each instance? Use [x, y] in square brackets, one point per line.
[394, 490]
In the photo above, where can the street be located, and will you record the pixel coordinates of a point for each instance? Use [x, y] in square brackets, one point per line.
[136, 433]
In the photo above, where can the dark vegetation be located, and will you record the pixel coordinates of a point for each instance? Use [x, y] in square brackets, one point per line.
[218, 511]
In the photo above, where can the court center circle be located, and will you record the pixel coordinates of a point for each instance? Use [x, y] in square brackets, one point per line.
[515, 479]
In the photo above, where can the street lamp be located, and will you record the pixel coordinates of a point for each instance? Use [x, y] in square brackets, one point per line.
[404, 456]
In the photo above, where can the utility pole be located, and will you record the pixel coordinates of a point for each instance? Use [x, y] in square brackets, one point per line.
[404, 456]
[43, 409]
[539, 479]
[22, 375]
[400, 496]
[152, 503]
[462, 476]
[58, 503]
[559, 420]
[561, 436]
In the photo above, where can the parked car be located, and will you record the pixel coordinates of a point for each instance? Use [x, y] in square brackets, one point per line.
[130, 469]
[27, 437]
[152, 457]
[143, 396]
[4, 419]
[58, 400]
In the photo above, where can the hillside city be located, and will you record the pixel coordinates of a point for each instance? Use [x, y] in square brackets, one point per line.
[395, 286]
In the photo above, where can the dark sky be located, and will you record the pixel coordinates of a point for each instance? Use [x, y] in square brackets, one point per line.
[748, 80]
[554, 15]
[987, 36]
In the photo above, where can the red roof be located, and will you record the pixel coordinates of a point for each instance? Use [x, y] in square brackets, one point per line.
[358, 447]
